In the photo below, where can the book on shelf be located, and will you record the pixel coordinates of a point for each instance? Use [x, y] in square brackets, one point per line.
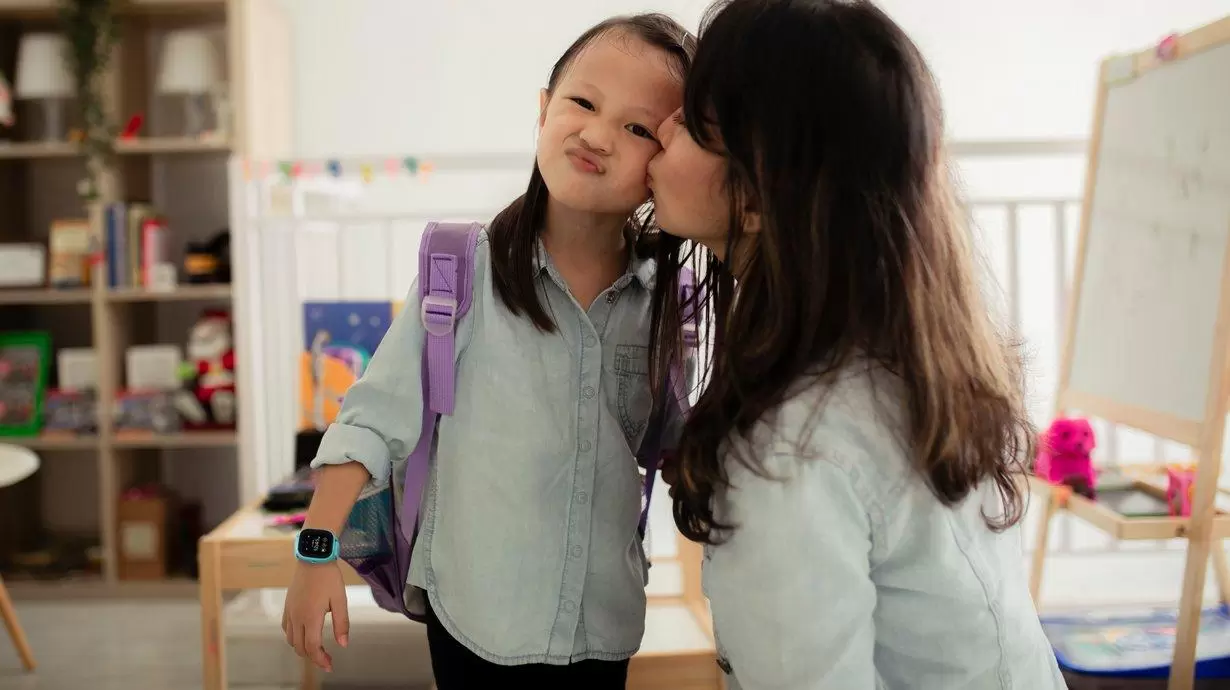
[137, 246]
[68, 250]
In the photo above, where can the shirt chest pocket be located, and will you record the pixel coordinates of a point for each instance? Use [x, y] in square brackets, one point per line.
[633, 397]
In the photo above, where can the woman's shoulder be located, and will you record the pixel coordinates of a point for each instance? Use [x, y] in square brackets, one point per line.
[853, 417]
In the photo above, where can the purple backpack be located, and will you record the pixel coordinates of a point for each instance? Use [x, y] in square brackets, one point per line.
[382, 527]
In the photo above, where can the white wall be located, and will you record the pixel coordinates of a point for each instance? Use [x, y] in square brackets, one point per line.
[414, 77]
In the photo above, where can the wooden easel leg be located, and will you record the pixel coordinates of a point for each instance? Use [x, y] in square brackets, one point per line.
[9, 614]
[1041, 544]
[1183, 669]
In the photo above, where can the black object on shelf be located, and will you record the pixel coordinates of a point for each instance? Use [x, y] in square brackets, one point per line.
[208, 262]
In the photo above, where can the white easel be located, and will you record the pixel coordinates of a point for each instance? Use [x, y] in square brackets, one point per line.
[1148, 330]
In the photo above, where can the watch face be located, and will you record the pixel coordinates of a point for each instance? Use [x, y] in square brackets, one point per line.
[315, 543]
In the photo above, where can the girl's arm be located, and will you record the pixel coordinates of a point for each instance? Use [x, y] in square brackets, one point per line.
[380, 418]
[791, 590]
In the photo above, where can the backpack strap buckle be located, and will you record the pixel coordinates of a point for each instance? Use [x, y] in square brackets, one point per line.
[439, 314]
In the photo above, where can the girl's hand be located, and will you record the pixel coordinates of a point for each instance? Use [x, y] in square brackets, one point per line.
[315, 589]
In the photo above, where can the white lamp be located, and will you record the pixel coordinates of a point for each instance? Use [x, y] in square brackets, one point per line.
[42, 74]
[189, 68]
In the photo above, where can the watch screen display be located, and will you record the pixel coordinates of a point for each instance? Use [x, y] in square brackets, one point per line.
[315, 543]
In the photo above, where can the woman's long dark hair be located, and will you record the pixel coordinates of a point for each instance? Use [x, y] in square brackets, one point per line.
[514, 232]
[831, 126]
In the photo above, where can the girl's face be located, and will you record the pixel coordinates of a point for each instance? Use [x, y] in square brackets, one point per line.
[690, 196]
[597, 125]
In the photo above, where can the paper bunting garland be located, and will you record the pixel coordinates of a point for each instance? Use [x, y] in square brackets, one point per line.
[364, 169]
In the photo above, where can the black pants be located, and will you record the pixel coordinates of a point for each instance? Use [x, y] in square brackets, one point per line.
[457, 668]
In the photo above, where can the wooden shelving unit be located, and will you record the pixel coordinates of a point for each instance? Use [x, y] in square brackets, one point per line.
[187, 179]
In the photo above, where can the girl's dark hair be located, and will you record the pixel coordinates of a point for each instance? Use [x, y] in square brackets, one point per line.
[514, 231]
[830, 124]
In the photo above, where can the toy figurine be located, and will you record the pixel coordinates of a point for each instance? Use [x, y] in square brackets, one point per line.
[6, 103]
[1064, 455]
[212, 374]
[1180, 483]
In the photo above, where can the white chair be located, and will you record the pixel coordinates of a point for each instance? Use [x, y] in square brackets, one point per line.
[16, 463]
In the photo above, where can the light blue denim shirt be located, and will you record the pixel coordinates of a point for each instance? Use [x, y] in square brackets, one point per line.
[846, 573]
[528, 548]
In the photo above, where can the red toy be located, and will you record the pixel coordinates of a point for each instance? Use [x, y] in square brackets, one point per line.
[211, 349]
[1064, 455]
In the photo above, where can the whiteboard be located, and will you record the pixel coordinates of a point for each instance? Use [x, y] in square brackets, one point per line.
[1155, 241]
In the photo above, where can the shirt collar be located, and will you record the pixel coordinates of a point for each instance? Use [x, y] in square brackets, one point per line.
[642, 270]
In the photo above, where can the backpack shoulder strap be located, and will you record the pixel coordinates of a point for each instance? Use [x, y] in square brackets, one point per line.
[689, 304]
[446, 286]
[446, 289]
[650, 456]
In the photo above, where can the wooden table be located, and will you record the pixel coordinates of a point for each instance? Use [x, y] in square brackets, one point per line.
[245, 553]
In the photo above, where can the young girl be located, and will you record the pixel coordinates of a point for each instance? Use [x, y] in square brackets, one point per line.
[851, 463]
[529, 552]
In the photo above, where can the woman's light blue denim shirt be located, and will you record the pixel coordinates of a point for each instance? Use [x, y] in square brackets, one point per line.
[847, 573]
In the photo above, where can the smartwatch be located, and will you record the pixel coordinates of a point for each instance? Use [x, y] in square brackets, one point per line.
[316, 546]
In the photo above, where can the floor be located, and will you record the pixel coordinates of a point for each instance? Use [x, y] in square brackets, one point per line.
[110, 645]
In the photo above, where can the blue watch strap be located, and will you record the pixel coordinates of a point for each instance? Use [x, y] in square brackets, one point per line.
[314, 559]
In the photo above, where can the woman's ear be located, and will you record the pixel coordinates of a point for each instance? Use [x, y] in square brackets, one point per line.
[750, 217]
[544, 97]
[751, 222]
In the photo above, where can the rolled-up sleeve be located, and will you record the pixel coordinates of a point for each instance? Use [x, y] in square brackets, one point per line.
[381, 417]
[791, 590]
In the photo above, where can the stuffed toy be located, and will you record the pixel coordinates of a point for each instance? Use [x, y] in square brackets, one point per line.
[211, 374]
[6, 103]
[1064, 455]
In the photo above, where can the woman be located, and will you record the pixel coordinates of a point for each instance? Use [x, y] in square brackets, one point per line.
[851, 464]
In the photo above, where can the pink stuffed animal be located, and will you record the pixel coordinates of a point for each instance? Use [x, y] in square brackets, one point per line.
[1064, 455]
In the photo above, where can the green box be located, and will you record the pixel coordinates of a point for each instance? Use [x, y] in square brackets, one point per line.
[25, 366]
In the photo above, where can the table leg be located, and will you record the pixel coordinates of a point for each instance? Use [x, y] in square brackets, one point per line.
[213, 651]
[9, 615]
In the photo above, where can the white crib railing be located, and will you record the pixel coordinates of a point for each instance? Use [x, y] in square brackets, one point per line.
[355, 237]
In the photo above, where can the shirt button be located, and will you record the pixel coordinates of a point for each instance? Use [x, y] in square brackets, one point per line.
[588, 391]
[576, 551]
[590, 341]
[585, 446]
[610, 299]
[569, 607]
[582, 497]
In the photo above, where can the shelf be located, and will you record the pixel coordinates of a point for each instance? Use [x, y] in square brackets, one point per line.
[35, 150]
[49, 8]
[1122, 527]
[53, 441]
[22, 297]
[181, 293]
[171, 145]
[187, 439]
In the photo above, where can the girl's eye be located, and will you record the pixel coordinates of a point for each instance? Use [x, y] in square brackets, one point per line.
[641, 131]
[677, 117]
[584, 103]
